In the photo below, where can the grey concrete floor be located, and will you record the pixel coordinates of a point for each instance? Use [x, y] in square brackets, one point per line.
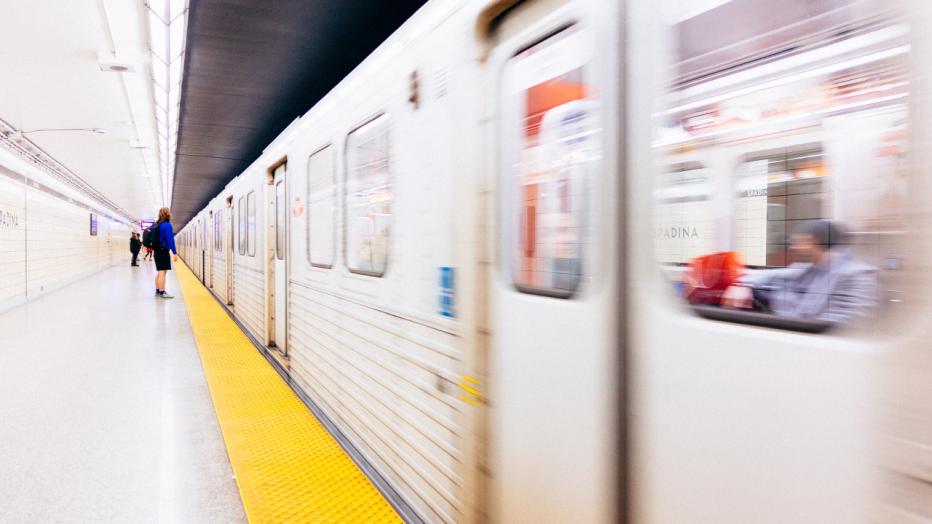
[105, 415]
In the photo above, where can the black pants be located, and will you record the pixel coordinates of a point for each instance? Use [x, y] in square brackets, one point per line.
[135, 255]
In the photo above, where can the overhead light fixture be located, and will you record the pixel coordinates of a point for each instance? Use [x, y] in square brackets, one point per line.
[97, 130]
[682, 11]
[167, 31]
[110, 63]
[789, 79]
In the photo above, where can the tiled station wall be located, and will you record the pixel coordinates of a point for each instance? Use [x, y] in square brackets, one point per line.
[46, 240]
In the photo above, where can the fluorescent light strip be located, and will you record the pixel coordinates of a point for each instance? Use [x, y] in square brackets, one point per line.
[821, 71]
[793, 62]
[676, 12]
[167, 29]
[778, 121]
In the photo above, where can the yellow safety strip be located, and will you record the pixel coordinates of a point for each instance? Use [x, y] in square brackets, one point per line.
[287, 466]
[474, 397]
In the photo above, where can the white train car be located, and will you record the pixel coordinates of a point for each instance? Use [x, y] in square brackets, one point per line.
[754, 119]
[217, 256]
[357, 261]
[368, 342]
[468, 257]
[51, 235]
[200, 245]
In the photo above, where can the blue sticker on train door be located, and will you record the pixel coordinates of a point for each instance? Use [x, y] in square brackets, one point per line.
[446, 292]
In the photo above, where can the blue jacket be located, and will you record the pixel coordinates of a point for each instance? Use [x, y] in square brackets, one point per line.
[167, 236]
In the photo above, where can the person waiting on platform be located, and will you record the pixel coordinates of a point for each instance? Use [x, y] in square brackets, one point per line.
[147, 241]
[134, 246]
[825, 282]
[163, 242]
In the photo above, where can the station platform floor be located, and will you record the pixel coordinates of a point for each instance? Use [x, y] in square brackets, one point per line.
[117, 406]
[106, 414]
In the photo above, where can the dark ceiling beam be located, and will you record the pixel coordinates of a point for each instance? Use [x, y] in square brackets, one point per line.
[251, 68]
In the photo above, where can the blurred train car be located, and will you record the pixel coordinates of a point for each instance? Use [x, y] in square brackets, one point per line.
[773, 117]
[51, 234]
[470, 258]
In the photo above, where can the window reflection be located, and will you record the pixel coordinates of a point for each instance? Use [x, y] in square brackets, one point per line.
[788, 149]
[251, 223]
[321, 184]
[369, 197]
[242, 225]
[684, 213]
[554, 149]
[776, 191]
[281, 219]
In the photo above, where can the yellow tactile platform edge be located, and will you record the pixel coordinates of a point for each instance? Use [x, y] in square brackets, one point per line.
[287, 466]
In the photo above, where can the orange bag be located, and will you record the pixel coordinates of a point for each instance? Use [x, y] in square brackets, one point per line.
[709, 276]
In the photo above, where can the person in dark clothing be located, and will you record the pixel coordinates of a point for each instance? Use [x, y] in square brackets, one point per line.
[164, 244]
[134, 246]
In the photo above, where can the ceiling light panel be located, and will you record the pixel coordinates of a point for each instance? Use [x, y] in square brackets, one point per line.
[158, 37]
[176, 32]
[174, 76]
[167, 27]
[178, 7]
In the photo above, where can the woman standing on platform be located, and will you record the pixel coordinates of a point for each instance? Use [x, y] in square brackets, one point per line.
[163, 241]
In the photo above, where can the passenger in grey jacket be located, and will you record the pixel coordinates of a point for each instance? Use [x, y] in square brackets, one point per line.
[825, 283]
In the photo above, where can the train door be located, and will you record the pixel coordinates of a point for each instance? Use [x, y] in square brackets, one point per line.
[739, 403]
[200, 251]
[194, 256]
[276, 241]
[228, 248]
[192, 263]
[212, 247]
[552, 311]
[206, 249]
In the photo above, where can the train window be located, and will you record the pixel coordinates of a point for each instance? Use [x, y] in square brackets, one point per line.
[801, 155]
[251, 223]
[551, 153]
[321, 199]
[218, 231]
[369, 197]
[281, 219]
[241, 234]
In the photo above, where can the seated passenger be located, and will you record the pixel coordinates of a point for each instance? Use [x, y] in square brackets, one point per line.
[825, 282]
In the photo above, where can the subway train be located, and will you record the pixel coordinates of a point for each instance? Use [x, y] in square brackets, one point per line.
[473, 257]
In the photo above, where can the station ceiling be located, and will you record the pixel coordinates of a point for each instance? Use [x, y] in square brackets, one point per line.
[251, 68]
[57, 93]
